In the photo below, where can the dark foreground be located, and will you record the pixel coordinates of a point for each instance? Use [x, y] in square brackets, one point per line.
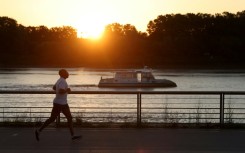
[22, 140]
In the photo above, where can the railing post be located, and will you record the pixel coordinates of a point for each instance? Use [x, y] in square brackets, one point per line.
[138, 109]
[222, 99]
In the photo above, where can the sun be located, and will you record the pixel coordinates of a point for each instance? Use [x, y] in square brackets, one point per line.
[90, 31]
[91, 27]
[92, 22]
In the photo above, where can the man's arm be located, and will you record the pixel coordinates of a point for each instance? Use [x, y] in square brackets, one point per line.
[63, 91]
[54, 87]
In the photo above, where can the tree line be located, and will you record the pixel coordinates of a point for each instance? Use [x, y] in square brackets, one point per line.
[170, 41]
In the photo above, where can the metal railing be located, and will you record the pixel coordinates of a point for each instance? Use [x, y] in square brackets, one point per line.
[139, 107]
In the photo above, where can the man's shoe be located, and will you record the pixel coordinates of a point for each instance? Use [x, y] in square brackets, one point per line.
[37, 135]
[77, 137]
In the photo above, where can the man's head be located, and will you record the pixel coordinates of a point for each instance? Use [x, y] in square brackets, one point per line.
[63, 73]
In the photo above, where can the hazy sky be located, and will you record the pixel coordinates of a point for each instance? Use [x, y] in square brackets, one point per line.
[90, 16]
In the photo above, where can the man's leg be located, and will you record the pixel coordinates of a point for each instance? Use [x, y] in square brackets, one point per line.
[55, 112]
[66, 111]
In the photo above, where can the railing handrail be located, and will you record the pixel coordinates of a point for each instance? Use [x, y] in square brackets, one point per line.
[125, 92]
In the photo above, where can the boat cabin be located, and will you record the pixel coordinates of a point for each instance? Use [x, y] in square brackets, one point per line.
[134, 76]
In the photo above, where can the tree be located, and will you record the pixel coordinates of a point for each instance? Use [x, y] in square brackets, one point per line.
[63, 33]
[8, 32]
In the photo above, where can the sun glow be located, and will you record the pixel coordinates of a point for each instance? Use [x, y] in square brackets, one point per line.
[92, 25]
[91, 28]
[90, 31]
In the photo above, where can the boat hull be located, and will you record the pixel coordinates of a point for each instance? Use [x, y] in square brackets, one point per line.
[152, 84]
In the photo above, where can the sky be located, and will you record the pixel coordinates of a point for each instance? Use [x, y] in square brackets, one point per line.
[90, 17]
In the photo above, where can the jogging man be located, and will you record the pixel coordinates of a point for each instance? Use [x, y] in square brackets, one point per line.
[60, 105]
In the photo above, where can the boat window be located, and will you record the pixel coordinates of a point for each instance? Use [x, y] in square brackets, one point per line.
[129, 75]
[148, 75]
[125, 75]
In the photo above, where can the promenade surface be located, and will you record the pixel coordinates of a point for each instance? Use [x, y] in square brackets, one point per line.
[103, 140]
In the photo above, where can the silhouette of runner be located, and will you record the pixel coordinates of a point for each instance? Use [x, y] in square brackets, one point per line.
[60, 105]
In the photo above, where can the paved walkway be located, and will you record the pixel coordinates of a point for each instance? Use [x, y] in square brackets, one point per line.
[22, 140]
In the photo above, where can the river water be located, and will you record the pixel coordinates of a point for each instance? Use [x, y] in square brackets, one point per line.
[88, 79]
[90, 106]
